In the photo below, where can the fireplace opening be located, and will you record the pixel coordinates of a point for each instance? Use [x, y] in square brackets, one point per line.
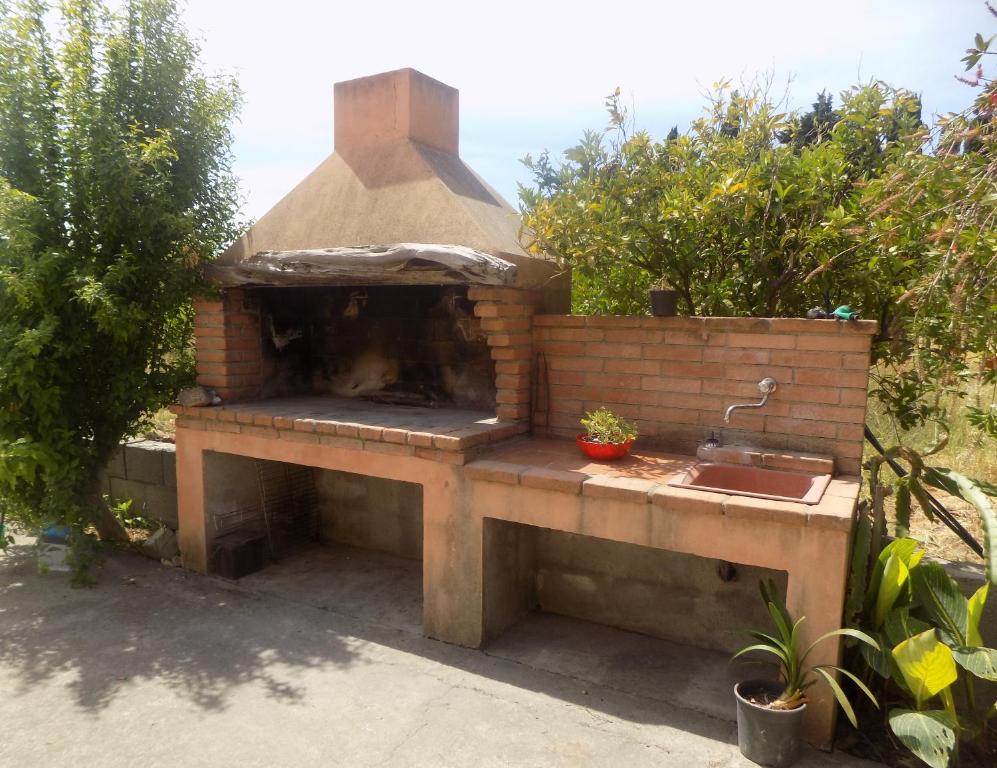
[400, 345]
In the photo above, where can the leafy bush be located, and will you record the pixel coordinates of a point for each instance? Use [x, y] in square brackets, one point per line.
[929, 649]
[115, 183]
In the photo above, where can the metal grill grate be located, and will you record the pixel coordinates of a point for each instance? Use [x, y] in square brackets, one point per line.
[288, 505]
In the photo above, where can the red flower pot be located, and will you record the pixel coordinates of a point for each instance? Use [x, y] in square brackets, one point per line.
[603, 451]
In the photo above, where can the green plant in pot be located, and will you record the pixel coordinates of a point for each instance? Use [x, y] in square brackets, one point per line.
[606, 436]
[664, 299]
[769, 712]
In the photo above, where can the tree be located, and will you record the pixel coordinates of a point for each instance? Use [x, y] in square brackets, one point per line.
[733, 219]
[814, 126]
[115, 183]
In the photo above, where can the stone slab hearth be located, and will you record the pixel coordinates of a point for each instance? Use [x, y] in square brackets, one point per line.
[357, 424]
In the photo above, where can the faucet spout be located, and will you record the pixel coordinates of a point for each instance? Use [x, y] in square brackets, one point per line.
[766, 386]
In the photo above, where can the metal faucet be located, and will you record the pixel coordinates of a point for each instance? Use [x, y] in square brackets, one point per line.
[766, 386]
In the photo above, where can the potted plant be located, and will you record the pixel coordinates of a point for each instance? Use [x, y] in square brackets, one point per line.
[664, 299]
[769, 712]
[606, 435]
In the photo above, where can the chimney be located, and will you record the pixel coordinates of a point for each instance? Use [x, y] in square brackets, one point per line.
[403, 105]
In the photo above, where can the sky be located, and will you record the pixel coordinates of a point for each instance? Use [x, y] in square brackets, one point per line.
[534, 75]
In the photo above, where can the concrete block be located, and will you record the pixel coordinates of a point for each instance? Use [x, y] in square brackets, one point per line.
[371, 512]
[162, 545]
[144, 462]
[123, 490]
[643, 589]
[169, 466]
[161, 505]
[116, 464]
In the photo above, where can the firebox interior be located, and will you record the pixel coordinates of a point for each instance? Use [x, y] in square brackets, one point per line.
[400, 345]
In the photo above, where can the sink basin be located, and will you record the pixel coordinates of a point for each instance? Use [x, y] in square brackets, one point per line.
[737, 480]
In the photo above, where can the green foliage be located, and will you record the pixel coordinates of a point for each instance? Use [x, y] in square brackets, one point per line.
[758, 212]
[738, 223]
[813, 127]
[115, 183]
[914, 487]
[785, 647]
[930, 645]
[604, 426]
[130, 518]
[929, 735]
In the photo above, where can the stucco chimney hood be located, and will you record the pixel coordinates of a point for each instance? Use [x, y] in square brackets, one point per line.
[394, 204]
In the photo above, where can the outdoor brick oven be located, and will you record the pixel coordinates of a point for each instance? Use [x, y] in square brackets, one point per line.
[392, 273]
[373, 341]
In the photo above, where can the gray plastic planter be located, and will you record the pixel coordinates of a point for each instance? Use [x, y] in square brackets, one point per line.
[769, 737]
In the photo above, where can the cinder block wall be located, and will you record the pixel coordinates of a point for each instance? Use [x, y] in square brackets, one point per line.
[676, 375]
[644, 589]
[144, 471]
[370, 512]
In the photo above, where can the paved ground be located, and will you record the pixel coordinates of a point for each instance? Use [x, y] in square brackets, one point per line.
[156, 667]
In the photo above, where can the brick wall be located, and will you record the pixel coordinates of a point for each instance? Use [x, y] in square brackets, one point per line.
[507, 317]
[229, 345]
[676, 375]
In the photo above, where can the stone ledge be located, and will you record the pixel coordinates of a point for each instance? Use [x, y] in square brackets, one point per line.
[357, 425]
[712, 324]
[834, 512]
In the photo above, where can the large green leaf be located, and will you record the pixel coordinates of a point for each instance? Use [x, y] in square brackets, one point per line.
[894, 578]
[904, 551]
[926, 664]
[973, 492]
[982, 662]
[941, 597]
[900, 625]
[878, 658]
[929, 735]
[975, 613]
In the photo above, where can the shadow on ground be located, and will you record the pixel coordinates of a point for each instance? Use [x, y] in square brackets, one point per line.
[206, 639]
[146, 621]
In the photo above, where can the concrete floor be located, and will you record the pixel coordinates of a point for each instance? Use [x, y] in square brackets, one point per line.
[163, 668]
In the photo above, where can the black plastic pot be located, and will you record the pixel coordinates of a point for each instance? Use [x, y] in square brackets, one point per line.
[664, 302]
[769, 737]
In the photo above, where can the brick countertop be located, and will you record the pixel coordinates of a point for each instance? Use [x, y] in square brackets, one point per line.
[644, 477]
[358, 424]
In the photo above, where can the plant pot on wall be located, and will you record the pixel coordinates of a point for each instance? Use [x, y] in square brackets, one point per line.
[664, 302]
[602, 451]
[606, 435]
[769, 737]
